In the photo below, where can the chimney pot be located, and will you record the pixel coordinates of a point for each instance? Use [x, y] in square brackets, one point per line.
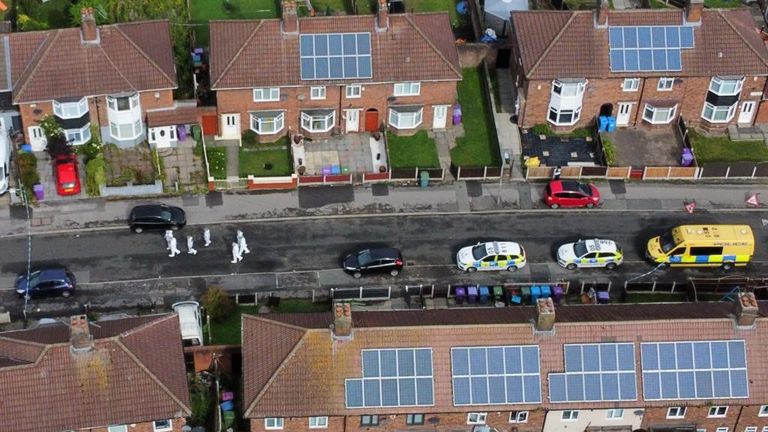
[746, 310]
[693, 11]
[602, 13]
[382, 16]
[290, 17]
[342, 320]
[89, 33]
[545, 315]
[80, 334]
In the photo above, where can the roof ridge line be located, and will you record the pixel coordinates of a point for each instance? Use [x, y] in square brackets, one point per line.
[429, 42]
[23, 341]
[272, 378]
[551, 44]
[160, 317]
[738, 33]
[143, 53]
[280, 323]
[43, 351]
[237, 54]
[34, 62]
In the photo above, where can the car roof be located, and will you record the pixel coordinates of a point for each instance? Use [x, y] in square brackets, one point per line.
[149, 209]
[379, 253]
[66, 171]
[601, 245]
[504, 247]
[570, 185]
[53, 273]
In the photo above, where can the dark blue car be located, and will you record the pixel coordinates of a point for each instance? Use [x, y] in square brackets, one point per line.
[46, 281]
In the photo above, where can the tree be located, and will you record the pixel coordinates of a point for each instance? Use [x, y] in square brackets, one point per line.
[58, 145]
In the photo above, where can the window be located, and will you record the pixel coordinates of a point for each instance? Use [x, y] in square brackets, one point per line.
[631, 84]
[718, 114]
[765, 429]
[518, 416]
[123, 103]
[665, 84]
[476, 418]
[407, 89]
[273, 423]
[78, 136]
[405, 118]
[353, 91]
[162, 425]
[659, 115]
[369, 420]
[750, 429]
[124, 428]
[317, 93]
[708, 250]
[414, 419]
[763, 411]
[676, 412]
[124, 131]
[318, 422]
[266, 94]
[716, 411]
[568, 89]
[721, 429]
[726, 86]
[614, 414]
[318, 121]
[569, 415]
[564, 116]
[268, 122]
[70, 110]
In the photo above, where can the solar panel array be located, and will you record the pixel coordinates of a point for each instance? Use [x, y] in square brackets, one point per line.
[496, 375]
[392, 378]
[335, 56]
[694, 370]
[648, 48]
[595, 373]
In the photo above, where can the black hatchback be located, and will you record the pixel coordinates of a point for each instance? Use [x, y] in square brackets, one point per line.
[45, 281]
[378, 260]
[156, 217]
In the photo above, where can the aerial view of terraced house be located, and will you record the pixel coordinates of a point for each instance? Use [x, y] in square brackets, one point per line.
[318, 76]
[92, 79]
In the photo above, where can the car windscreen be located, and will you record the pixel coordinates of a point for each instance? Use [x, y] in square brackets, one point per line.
[479, 252]
[585, 188]
[580, 249]
[165, 215]
[364, 257]
[667, 242]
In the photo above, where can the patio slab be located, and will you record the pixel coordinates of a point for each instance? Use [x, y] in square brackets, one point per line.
[639, 147]
[48, 180]
[350, 153]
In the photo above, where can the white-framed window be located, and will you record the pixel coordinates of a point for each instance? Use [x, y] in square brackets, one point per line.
[353, 91]
[369, 420]
[78, 136]
[665, 84]
[414, 419]
[614, 414]
[717, 411]
[569, 88]
[162, 425]
[123, 103]
[273, 423]
[122, 428]
[564, 117]
[750, 429]
[631, 84]
[676, 412]
[726, 86]
[765, 429]
[518, 417]
[266, 94]
[267, 122]
[70, 110]
[318, 121]
[721, 429]
[158, 134]
[405, 118]
[317, 92]
[718, 114]
[476, 418]
[320, 422]
[659, 115]
[125, 131]
[569, 415]
[763, 412]
[407, 89]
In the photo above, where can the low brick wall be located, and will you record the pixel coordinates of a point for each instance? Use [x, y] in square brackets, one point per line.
[273, 183]
[472, 54]
[132, 190]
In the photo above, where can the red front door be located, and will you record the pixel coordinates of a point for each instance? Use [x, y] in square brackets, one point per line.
[371, 120]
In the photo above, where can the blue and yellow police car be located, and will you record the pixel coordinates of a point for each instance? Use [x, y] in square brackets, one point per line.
[590, 253]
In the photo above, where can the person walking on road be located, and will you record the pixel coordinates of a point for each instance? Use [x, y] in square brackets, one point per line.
[237, 256]
[191, 245]
[207, 237]
[168, 237]
[172, 245]
[242, 243]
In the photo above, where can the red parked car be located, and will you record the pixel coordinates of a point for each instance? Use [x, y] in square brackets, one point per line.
[570, 193]
[67, 178]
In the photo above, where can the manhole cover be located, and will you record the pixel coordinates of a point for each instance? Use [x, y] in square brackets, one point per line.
[214, 199]
[19, 212]
[474, 189]
[617, 187]
[190, 200]
[381, 189]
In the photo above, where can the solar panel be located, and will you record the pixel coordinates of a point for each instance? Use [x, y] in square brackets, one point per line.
[595, 373]
[694, 370]
[335, 56]
[648, 48]
[496, 375]
[392, 378]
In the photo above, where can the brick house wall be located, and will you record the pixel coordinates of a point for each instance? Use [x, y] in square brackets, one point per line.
[696, 415]
[177, 424]
[750, 416]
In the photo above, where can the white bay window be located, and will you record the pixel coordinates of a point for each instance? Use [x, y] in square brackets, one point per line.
[78, 136]
[659, 115]
[722, 99]
[565, 101]
[318, 120]
[405, 117]
[70, 110]
[267, 122]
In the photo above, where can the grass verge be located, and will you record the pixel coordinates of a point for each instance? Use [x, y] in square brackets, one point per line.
[722, 149]
[264, 163]
[415, 151]
[478, 146]
[217, 162]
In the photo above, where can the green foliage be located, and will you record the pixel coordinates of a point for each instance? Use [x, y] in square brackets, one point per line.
[218, 304]
[478, 146]
[90, 150]
[609, 151]
[722, 149]
[542, 129]
[217, 162]
[546, 129]
[51, 128]
[414, 151]
[27, 23]
[202, 403]
[28, 171]
[57, 145]
[250, 137]
[96, 174]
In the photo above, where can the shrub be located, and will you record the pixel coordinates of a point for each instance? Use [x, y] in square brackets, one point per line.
[609, 151]
[542, 129]
[57, 146]
[250, 137]
[28, 170]
[90, 150]
[201, 401]
[96, 175]
[218, 304]
[51, 128]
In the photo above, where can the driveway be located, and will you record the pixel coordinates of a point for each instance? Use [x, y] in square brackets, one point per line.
[643, 146]
[47, 179]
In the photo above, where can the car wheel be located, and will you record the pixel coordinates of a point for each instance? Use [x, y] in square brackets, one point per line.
[175, 228]
[138, 230]
[590, 205]
[571, 266]
[394, 272]
[357, 275]
[610, 266]
[554, 205]
[727, 266]
[66, 293]
[512, 269]
[471, 269]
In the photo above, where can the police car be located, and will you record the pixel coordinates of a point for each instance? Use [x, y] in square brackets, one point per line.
[590, 253]
[503, 255]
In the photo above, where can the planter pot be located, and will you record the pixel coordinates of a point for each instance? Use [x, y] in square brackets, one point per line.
[382, 169]
[301, 170]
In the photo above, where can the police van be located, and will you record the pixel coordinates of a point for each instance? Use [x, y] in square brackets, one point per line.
[725, 246]
[590, 253]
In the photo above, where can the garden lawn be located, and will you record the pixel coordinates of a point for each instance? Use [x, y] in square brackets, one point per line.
[370, 6]
[478, 146]
[328, 7]
[254, 158]
[723, 4]
[416, 151]
[217, 161]
[204, 10]
[228, 331]
[722, 149]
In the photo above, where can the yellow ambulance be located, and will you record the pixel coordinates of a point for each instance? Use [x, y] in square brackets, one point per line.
[703, 246]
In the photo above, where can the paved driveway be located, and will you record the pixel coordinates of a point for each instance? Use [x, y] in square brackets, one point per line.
[639, 147]
[47, 179]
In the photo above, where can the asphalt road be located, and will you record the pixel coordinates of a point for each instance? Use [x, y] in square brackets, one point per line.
[293, 254]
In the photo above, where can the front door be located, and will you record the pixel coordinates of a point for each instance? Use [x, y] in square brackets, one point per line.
[353, 120]
[37, 138]
[747, 111]
[625, 109]
[371, 120]
[439, 116]
[230, 125]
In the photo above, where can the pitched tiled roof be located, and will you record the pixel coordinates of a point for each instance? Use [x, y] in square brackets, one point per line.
[310, 363]
[556, 44]
[55, 64]
[178, 115]
[416, 47]
[134, 373]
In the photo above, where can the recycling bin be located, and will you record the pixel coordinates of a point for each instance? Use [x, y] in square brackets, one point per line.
[461, 294]
[686, 159]
[457, 114]
[423, 178]
[484, 294]
[39, 191]
[472, 294]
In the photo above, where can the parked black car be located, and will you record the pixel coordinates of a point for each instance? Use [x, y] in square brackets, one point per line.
[156, 217]
[49, 280]
[375, 260]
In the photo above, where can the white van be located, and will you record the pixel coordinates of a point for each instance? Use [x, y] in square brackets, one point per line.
[5, 159]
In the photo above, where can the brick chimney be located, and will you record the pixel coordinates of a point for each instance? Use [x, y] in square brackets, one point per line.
[601, 18]
[79, 334]
[545, 315]
[382, 16]
[342, 320]
[89, 33]
[693, 10]
[290, 17]
[746, 310]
